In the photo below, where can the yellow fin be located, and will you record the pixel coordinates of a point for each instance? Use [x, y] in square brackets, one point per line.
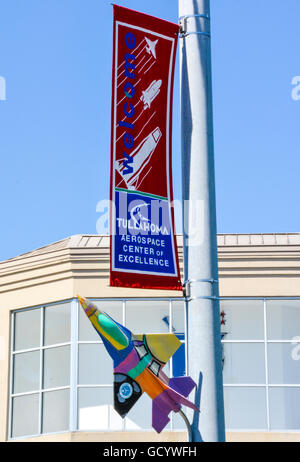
[162, 346]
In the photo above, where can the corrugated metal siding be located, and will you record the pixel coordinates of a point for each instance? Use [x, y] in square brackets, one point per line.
[280, 239]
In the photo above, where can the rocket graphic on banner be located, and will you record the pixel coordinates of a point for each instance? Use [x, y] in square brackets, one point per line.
[138, 360]
[143, 245]
[141, 156]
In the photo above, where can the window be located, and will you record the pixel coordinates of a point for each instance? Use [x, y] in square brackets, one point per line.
[261, 350]
[40, 370]
[62, 376]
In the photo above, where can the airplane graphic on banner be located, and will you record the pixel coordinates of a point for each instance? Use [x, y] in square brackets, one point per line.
[150, 49]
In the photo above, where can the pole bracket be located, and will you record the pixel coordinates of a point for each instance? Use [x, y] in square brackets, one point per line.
[187, 287]
[205, 16]
[202, 297]
[211, 281]
[182, 24]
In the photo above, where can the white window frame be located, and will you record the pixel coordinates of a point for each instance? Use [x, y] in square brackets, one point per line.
[74, 344]
[266, 385]
[74, 348]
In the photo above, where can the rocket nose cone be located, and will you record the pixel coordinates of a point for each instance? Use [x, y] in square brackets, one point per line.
[88, 307]
[81, 300]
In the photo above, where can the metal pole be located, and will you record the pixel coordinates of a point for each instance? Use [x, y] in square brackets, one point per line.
[199, 227]
[187, 423]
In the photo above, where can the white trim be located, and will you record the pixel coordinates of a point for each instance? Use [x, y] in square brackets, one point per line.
[74, 365]
[35, 392]
[42, 320]
[10, 409]
[263, 385]
[142, 29]
[99, 385]
[113, 218]
[266, 366]
[46, 347]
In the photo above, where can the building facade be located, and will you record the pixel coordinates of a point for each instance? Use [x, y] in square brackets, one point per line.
[56, 377]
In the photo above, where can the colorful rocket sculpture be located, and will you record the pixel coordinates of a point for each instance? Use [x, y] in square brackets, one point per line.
[138, 363]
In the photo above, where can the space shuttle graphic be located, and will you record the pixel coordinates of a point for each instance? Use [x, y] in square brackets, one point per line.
[150, 48]
[150, 93]
[141, 157]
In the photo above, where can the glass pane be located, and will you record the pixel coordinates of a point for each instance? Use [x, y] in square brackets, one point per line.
[95, 365]
[27, 329]
[140, 415]
[283, 319]
[56, 367]
[179, 362]
[56, 405]
[25, 415]
[178, 309]
[244, 363]
[147, 317]
[86, 330]
[96, 411]
[26, 372]
[245, 408]
[57, 324]
[284, 408]
[244, 319]
[284, 364]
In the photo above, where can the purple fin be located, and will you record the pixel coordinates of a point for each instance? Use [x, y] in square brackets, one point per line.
[179, 399]
[169, 400]
[160, 413]
[183, 385]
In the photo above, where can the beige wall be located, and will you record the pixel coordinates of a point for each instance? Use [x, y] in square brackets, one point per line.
[165, 437]
[263, 437]
[113, 437]
[60, 272]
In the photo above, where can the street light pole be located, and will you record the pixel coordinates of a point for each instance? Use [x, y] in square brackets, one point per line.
[199, 227]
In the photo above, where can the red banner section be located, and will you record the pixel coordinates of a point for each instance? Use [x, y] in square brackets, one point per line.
[143, 245]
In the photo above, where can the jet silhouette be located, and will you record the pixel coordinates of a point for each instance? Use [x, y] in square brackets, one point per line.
[151, 47]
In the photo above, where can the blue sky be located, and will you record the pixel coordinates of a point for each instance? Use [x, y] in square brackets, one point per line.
[55, 56]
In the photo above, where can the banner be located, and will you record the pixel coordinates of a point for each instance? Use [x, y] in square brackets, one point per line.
[143, 247]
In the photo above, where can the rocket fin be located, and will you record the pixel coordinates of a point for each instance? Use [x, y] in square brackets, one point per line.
[167, 401]
[183, 385]
[180, 399]
[161, 346]
[160, 414]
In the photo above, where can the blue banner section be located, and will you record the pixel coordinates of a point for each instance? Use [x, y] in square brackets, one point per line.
[143, 234]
